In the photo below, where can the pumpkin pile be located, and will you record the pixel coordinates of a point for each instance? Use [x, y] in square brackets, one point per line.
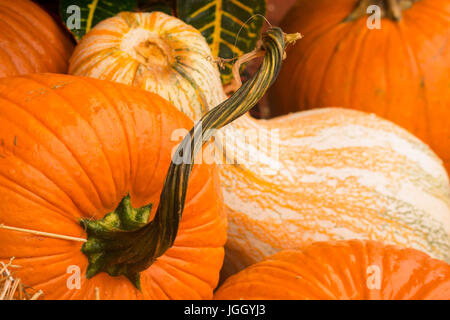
[102, 195]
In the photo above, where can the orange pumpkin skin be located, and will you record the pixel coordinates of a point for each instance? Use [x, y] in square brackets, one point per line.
[399, 72]
[344, 270]
[72, 148]
[31, 41]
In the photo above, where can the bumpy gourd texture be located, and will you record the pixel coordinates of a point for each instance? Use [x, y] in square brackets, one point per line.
[30, 41]
[342, 270]
[399, 72]
[330, 175]
[72, 148]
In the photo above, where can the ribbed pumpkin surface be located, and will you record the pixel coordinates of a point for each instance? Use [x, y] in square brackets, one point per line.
[72, 148]
[342, 270]
[399, 72]
[30, 40]
[155, 52]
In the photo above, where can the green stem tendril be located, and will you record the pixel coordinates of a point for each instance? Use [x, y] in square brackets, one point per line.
[124, 242]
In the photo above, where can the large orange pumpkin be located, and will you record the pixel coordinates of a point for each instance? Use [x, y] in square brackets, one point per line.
[31, 41]
[342, 270]
[399, 72]
[330, 174]
[72, 148]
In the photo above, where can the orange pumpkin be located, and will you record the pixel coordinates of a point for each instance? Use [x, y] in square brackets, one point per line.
[342, 270]
[399, 72]
[72, 148]
[30, 40]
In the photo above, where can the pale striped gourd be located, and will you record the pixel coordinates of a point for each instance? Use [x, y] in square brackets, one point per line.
[155, 52]
[337, 174]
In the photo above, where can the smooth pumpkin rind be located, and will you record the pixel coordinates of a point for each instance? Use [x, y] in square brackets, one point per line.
[31, 40]
[72, 148]
[342, 270]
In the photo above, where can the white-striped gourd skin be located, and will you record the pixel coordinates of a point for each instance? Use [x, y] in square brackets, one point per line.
[342, 174]
[155, 52]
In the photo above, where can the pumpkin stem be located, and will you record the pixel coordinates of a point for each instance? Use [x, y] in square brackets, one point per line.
[124, 242]
[391, 9]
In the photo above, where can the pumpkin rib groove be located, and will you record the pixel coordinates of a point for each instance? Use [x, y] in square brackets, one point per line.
[39, 44]
[17, 52]
[54, 279]
[424, 292]
[64, 144]
[157, 281]
[387, 263]
[314, 271]
[361, 46]
[38, 35]
[158, 115]
[189, 274]
[384, 113]
[102, 92]
[314, 43]
[127, 136]
[58, 47]
[320, 285]
[167, 259]
[308, 54]
[26, 259]
[88, 123]
[50, 277]
[198, 228]
[363, 269]
[342, 268]
[274, 285]
[7, 28]
[410, 51]
[53, 207]
[56, 159]
[385, 259]
[431, 284]
[48, 178]
[201, 190]
[326, 268]
[327, 65]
